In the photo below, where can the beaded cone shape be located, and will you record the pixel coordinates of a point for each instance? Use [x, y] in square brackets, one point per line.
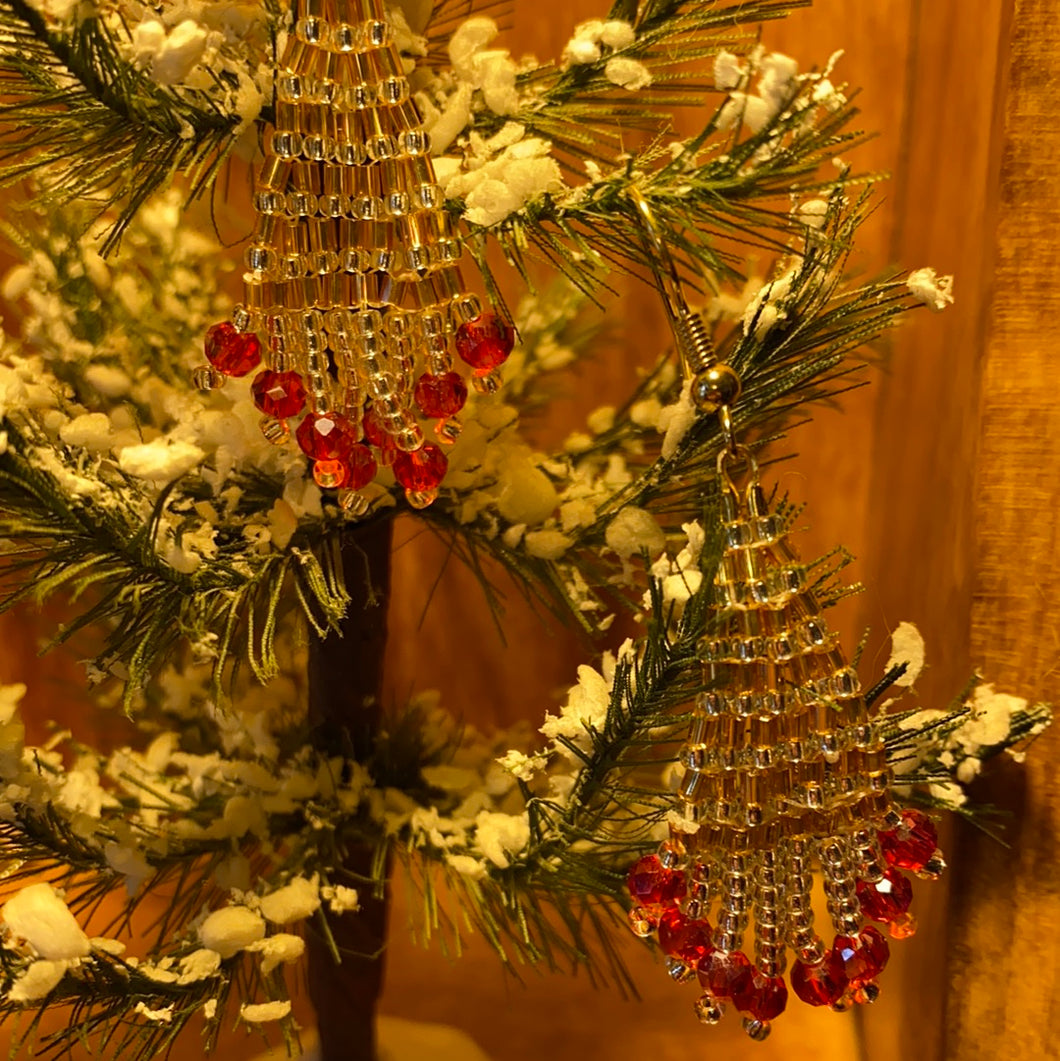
[352, 278]
[785, 775]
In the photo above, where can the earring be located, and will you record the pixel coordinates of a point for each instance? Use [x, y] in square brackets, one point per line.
[785, 775]
[352, 272]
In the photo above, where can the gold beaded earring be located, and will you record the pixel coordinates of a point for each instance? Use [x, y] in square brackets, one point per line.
[785, 774]
[352, 272]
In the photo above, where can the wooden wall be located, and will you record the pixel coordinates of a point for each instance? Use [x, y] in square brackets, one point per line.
[892, 476]
[945, 490]
[1004, 962]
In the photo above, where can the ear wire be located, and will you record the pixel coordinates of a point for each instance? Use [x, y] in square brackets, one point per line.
[715, 386]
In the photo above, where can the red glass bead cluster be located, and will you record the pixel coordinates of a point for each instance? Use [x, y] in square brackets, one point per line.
[346, 454]
[670, 900]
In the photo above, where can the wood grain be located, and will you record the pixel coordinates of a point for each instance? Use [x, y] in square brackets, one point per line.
[921, 550]
[1003, 956]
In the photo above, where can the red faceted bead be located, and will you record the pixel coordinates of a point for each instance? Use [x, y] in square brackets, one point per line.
[763, 997]
[820, 984]
[230, 352]
[374, 431]
[912, 844]
[422, 469]
[325, 437]
[725, 973]
[279, 394]
[885, 900]
[650, 884]
[442, 395]
[360, 467]
[683, 938]
[863, 956]
[485, 342]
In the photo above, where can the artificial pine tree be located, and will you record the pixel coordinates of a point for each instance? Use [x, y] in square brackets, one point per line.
[233, 585]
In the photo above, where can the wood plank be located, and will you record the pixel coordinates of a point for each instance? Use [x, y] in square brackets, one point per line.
[921, 552]
[1004, 957]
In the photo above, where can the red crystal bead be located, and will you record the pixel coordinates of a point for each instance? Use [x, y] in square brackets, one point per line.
[231, 352]
[912, 844]
[863, 956]
[442, 395]
[485, 342]
[279, 394]
[763, 997]
[885, 900]
[725, 973]
[374, 431]
[683, 938]
[325, 437]
[422, 469]
[650, 884]
[820, 984]
[360, 467]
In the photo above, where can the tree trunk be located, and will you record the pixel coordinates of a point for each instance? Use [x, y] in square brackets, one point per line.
[345, 711]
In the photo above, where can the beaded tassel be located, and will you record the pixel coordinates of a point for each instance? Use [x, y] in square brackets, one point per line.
[785, 771]
[352, 276]
[785, 777]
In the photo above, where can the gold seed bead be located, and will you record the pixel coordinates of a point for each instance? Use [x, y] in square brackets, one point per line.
[269, 202]
[286, 144]
[439, 362]
[312, 31]
[376, 33]
[416, 143]
[275, 431]
[488, 384]
[409, 438]
[421, 499]
[381, 146]
[758, 1030]
[709, 1010]
[352, 503]
[393, 90]
[381, 386]
[207, 378]
[465, 309]
[347, 38]
[315, 148]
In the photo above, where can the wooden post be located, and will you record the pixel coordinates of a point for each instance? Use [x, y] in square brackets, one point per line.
[1004, 947]
[921, 546]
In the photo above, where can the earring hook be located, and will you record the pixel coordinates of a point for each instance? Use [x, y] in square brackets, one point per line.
[715, 385]
[694, 345]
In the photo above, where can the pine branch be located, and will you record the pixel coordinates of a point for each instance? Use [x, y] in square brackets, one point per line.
[556, 900]
[811, 352]
[98, 549]
[77, 113]
[667, 37]
[721, 190]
